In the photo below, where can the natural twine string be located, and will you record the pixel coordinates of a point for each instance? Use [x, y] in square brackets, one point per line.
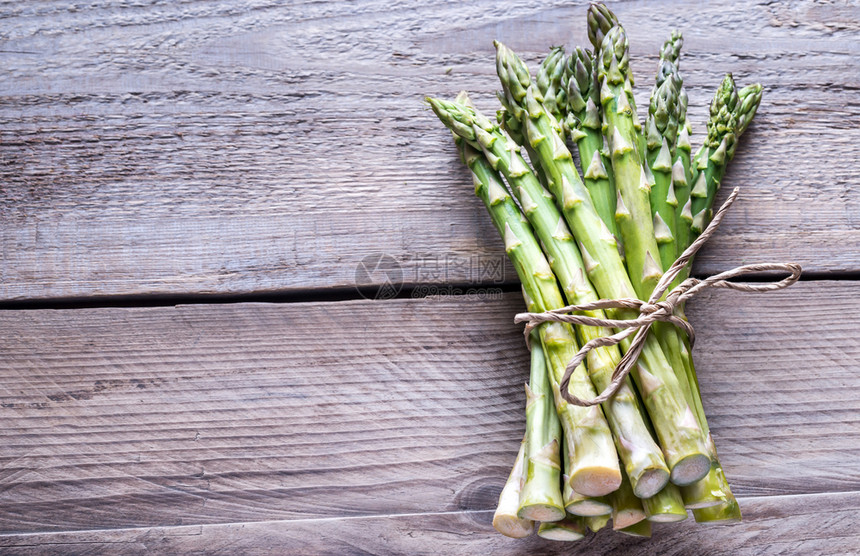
[652, 310]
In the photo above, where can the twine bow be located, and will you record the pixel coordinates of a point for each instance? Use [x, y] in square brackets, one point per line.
[653, 310]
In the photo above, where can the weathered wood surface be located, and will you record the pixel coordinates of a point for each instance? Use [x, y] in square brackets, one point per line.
[257, 146]
[785, 525]
[206, 414]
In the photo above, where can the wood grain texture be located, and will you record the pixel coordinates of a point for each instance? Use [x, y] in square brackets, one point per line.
[262, 146]
[778, 525]
[210, 414]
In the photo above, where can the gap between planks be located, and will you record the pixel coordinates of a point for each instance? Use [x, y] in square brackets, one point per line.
[322, 295]
[741, 500]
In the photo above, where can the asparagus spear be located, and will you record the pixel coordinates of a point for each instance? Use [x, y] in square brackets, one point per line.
[681, 171]
[600, 21]
[713, 156]
[505, 520]
[540, 498]
[661, 136]
[680, 437]
[583, 125]
[713, 491]
[595, 470]
[641, 456]
[633, 212]
[731, 113]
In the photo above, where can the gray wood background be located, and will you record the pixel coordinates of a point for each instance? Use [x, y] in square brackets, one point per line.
[155, 153]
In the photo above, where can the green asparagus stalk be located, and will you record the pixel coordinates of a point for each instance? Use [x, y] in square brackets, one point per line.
[633, 211]
[731, 114]
[571, 528]
[540, 498]
[681, 439]
[642, 458]
[681, 171]
[682, 180]
[664, 120]
[667, 505]
[505, 520]
[583, 124]
[640, 529]
[714, 154]
[713, 491]
[511, 125]
[595, 470]
[662, 135]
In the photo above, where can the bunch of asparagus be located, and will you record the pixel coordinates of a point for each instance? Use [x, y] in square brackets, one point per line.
[606, 229]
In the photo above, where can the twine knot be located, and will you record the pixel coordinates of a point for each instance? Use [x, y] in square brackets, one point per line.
[659, 307]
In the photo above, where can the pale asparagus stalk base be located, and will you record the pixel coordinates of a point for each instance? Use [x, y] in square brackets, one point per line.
[571, 528]
[505, 520]
[540, 498]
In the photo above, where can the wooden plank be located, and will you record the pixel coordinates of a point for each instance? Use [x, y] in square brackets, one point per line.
[231, 147]
[202, 414]
[772, 525]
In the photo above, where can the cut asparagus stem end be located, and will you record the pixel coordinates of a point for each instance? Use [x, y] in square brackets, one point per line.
[626, 507]
[626, 518]
[667, 518]
[650, 483]
[512, 526]
[596, 481]
[690, 469]
[568, 529]
[589, 507]
[640, 529]
[542, 512]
